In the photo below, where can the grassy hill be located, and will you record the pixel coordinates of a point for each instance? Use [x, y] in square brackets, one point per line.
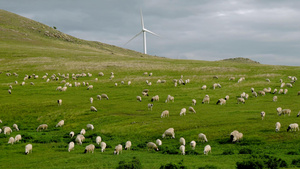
[28, 47]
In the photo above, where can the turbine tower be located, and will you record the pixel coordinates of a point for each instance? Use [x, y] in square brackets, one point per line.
[144, 30]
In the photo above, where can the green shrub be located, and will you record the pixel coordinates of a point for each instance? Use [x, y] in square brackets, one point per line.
[134, 164]
[262, 161]
[173, 166]
[296, 162]
[292, 153]
[250, 164]
[228, 152]
[208, 167]
[245, 151]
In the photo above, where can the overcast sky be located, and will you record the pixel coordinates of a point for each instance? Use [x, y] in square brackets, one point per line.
[264, 31]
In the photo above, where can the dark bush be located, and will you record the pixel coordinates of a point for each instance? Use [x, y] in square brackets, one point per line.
[191, 152]
[245, 151]
[296, 162]
[292, 153]
[250, 164]
[208, 167]
[173, 166]
[228, 152]
[169, 150]
[134, 164]
[262, 161]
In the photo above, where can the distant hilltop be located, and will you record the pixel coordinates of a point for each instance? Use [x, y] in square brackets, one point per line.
[241, 60]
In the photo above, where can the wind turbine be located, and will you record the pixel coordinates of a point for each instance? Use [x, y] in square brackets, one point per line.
[144, 30]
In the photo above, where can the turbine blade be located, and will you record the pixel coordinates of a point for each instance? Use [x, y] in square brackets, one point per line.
[142, 20]
[133, 37]
[146, 30]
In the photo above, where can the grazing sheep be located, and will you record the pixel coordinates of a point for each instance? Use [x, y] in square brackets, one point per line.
[182, 149]
[240, 100]
[202, 137]
[194, 102]
[129, 82]
[15, 126]
[28, 148]
[64, 89]
[151, 146]
[118, 149]
[79, 139]
[146, 90]
[91, 100]
[243, 95]
[280, 91]
[297, 115]
[207, 149]
[98, 140]
[169, 98]
[182, 141]
[60, 123]
[193, 144]
[42, 127]
[90, 87]
[277, 126]
[90, 127]
[285, 111]
[165, 114]
[236, 136]
[285, 91]
[98, 97]
[0, 121]
[254, 94]
[9, 91]
[205, 99]
[71, 146]
[101, 74]
[11, 140]
[150, 74]
[262, 93]
[150, 106]
[262, 114]
[155, 98]
[288, 85]
[192, 110]
[89, 148]
[169, 132]
[267, 90]
[221, 101]
[128, 145]
[139, 98]
[182, 112]
[93, 109]
[275, 91]
[149, 84]
[232, 78]
[293, 127]
[82, 131]
[275, 99]
[145, 94]
[215, 77]
[268, 80]
[216, 85]
[203, 87]
[72, 134]
[59, 102]
[226, 97]
[158, 142]
[18, 138]
[103, 146]
[104, 96]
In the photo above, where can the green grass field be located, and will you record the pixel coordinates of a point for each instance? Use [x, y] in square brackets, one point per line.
[28, 47]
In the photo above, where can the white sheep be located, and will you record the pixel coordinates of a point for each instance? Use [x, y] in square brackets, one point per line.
[279, 110]
[280, 91]
[71, 146]
[42, 127]
[151, 146]
[236, 136]
[267, 90]
[60, 123]
[9, 91]
[285, 91]
[274, 98]
[79, 139]
[207, 149]
[103, 146]
[226, 97]
[194, 102]
[91, 100]
[297, 115]
[203, 87]
[277, 126]
[0, 121]
[285, 111]
[216, 85]
[254, 94]
[221, 101]
[11, 140]
[165, 114]
[90, 127]
[145, 94]
[241, 79]
[155, 98]
[202, 137]
[158, 142]
[262, 93]
[72, 134]
[182, 141]
[128, 145]
[182, 112]
[100, 74]
[169, 98]
[118, 149]
[232, 78]
[59, 102]
[205, 99]
[15, 126]
[275, 91]
[192, 110]
[18, 138]
[288, 85]
[293, 127]
[129, 82]
[262, 114]
[93, 109]
[150, 106]
[64, 89]
[104, 96]
[150, 83]
[82, 131]
[193, 144]
[28, 148]
[90, 87]
[182, 149]
[169, 132]
[240, 100]
[89, 148]
[98, 97]
[98, 140]
[139, 98]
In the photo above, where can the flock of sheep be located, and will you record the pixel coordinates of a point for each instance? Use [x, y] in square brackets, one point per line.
[235, 136]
